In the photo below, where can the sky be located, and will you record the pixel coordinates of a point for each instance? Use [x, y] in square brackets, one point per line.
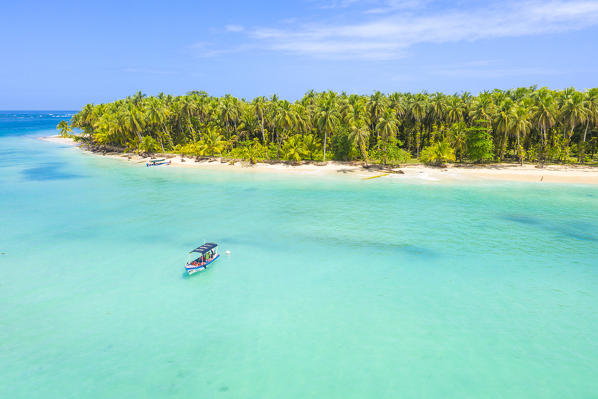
[65, 54]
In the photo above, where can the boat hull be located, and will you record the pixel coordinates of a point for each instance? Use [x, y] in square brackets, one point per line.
[148, 164]
[194, 269]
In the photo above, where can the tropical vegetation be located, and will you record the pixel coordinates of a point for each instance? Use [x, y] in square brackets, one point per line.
[527, 124]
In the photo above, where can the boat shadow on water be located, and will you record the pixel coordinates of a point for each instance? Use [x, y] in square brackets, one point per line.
[572, 229]
[341, 243]
[48, 171]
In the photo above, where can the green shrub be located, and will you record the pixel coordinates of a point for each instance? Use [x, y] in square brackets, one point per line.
[438, 153]
[479, 144]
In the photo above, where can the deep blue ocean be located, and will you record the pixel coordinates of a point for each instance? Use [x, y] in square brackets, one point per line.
[335, 287]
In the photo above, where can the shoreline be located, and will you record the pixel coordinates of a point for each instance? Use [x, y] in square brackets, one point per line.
[568, 174]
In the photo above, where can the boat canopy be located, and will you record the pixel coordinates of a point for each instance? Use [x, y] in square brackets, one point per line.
[205, 248]
[158, 160]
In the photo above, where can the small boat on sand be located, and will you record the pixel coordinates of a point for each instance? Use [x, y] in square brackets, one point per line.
[207, 254]
[157, 162]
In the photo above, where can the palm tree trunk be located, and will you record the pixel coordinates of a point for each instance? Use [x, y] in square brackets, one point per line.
[542, 145]
[417, 143]
[168, 136]
[582, 147]
[385, 150]
[429, 135]
[276, 135]
[519, 151]
[277, 146]
[139, 137]
[264, 135]
[325, 135]
[503, 146]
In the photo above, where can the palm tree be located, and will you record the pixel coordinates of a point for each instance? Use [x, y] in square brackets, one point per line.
[438, 153]
[259, 108]
[272, 116]
[64, 128]
[353, 112]
[419, 111]
[148, 145]
[85, 117]
[573, 110]
[376, 106]
[503, 121]
[591, 117]
[251, 151]
[458, 138]
[399, 105]
[213, 141]
[230, 113]
[294, 149]
[518, 120]
[328, 117]
[455, 110]
[187, 112]
[156, 115]
[137, 99]
[134, 122]
[360, 136]
[311, 145]
[387, 125]
[302, 119]
[544, 113]
[386, 128]
[286, 119]
[438, 106]
[482, 108]
[520, 127]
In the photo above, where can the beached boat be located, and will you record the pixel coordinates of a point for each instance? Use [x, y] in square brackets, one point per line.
[207, 254]
[157, 162]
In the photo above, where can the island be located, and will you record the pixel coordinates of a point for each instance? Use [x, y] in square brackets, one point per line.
[528, 133]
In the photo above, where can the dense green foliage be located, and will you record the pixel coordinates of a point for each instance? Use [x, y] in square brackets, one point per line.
[64, 128]
[478, 142]
[438, 153]
[525, 124]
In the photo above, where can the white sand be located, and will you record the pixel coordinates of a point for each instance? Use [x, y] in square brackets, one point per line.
[59, 139]
[507, 172]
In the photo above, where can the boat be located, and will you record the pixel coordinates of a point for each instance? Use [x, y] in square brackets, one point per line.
[206, 255]
[157, 162]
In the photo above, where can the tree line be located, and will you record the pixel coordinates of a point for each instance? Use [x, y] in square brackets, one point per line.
[525, 124]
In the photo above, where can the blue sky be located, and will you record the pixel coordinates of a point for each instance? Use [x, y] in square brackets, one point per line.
[62, 55]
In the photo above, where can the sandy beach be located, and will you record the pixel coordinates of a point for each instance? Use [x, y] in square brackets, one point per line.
[575, 174]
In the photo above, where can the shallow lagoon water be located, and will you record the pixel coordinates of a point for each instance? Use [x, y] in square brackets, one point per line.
[335, 287]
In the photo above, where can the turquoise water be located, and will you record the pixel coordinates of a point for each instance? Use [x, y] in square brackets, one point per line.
[335, 287]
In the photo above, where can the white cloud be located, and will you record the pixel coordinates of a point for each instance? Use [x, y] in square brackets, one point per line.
[389, 36]
[206, 49]
[394, 5]
[372, 6]
[234, 28]
[341, 3]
